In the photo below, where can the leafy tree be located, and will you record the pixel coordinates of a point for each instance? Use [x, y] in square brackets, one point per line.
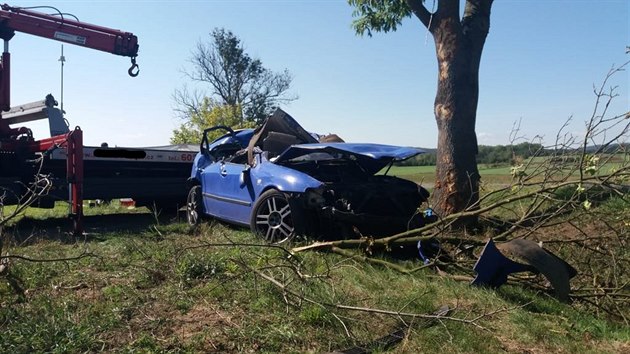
[427, 159]
[459, 43]
[208, 114]
[234, 80]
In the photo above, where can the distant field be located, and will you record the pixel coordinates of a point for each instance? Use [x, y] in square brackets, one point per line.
[426, 174]
[496, 174]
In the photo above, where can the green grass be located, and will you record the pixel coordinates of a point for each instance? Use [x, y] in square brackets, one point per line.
[62, 209]
[426, 174]
[171, 289]
[162, 287]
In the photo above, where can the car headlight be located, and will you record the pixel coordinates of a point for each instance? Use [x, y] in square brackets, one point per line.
[314, 198]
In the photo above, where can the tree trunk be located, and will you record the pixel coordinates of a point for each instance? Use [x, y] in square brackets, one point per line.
[458, 43]
[458, 48]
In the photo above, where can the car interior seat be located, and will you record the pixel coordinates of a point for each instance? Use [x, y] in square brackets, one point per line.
[275, 143]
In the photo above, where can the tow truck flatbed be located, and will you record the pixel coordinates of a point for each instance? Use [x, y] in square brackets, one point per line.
[151, 176]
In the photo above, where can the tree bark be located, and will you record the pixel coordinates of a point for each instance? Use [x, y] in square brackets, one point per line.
[458, 44]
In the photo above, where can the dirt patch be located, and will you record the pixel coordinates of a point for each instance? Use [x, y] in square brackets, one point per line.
[620, 347]
[512, 346]
[206, 326]
[203, 328]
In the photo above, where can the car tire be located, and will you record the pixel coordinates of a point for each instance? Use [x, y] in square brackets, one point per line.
[194, 206]
[273, 218]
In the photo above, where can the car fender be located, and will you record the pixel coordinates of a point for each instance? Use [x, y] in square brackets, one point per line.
[199, 163]
[192, 181]
[267, 175]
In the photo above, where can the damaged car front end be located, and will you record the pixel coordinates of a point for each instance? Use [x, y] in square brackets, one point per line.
[353, 200]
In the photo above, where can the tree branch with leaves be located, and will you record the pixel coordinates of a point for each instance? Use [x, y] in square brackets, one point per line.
[233, 80]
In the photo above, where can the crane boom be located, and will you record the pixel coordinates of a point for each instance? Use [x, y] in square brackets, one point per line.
[60, 28]
[16, 19]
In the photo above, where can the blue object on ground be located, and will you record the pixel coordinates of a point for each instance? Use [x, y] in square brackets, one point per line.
[493, 267]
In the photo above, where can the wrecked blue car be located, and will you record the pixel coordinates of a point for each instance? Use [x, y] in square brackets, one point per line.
[283, 181]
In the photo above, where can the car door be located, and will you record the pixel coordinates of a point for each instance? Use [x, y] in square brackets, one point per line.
[228, 192]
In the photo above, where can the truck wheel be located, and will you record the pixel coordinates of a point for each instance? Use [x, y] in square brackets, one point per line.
[273, 218]
[194, 206]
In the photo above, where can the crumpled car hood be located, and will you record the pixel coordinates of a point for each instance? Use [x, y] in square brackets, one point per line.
[371, 157]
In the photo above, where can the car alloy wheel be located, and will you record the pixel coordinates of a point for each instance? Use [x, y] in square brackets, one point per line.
[194, 206]
[272, 217]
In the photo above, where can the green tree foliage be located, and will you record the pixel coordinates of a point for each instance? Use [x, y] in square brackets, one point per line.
[427, 159]
[378, 15]
[231, 79]
[209, 114]
[508, 154]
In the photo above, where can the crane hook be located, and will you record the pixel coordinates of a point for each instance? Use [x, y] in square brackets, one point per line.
[134, 70]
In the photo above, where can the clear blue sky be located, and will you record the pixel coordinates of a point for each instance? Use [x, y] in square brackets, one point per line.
[539, 65]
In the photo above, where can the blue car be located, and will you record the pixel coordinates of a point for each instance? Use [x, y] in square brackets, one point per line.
[282, 181]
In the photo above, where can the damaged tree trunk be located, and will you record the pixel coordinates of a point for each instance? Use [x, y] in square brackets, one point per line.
[457, 177]
[458, 44]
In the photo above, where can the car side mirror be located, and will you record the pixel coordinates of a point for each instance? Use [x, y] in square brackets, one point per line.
[245, 176]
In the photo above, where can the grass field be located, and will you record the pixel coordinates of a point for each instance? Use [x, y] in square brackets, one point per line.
[426, 174]
[492, 175]
[144, 282]
[147, 284]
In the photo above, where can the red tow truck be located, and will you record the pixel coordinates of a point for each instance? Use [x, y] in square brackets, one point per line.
[151, 176]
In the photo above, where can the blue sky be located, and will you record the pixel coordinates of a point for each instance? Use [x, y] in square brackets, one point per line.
[539, 65]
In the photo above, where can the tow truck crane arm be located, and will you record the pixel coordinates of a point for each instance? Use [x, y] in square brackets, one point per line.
[60, 28]
[68, 30]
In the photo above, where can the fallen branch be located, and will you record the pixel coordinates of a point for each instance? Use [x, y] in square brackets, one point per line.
[388, 341]
[363, 257]
[50, 260]
[286, 291]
